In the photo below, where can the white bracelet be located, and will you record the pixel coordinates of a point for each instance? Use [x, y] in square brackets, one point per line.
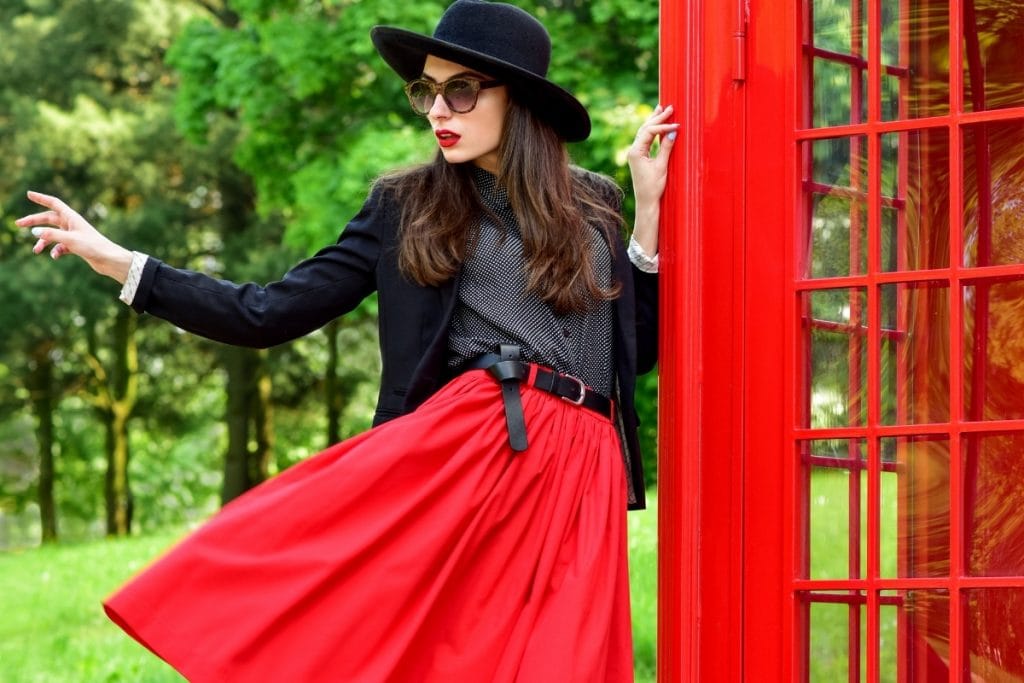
[131, 283]
[639, 258]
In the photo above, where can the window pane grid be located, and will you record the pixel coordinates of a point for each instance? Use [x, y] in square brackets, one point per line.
[917, 231]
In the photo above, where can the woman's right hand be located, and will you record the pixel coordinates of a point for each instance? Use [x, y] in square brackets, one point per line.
[69, 233]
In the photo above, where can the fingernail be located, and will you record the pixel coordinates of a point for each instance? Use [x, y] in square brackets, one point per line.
[37, 232]
[672, 135]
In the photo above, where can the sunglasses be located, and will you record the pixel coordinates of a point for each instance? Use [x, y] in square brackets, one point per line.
[460, 93]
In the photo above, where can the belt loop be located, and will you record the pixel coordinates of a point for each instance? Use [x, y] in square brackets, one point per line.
[513, 402]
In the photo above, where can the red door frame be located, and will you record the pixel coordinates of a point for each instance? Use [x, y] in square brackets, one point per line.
[728, 562]
[725, 354]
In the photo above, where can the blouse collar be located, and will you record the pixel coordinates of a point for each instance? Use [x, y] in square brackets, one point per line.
[491, 192]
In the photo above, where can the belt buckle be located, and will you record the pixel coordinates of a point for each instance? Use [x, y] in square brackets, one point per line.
[578, 401]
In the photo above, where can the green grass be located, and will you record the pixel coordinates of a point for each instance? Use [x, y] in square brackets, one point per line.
[643, 580]
[53, 630]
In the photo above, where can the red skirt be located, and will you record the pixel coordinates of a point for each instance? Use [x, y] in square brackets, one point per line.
[422, 550]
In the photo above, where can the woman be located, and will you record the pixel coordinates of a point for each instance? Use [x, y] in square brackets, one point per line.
[477, 532]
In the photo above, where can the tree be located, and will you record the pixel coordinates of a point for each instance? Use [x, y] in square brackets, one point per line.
[87, 117]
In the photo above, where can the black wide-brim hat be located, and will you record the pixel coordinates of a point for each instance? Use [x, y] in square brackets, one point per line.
[500, 40]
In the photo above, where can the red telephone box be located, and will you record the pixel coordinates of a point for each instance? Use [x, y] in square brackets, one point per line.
[842, 413]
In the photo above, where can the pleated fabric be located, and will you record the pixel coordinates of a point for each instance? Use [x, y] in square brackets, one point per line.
[422, 550]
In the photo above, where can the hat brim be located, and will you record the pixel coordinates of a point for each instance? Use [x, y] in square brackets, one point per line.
[406, 52]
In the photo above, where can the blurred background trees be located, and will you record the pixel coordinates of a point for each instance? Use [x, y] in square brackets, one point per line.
[233, 138]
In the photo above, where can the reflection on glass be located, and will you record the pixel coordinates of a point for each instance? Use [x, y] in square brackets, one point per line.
[993, 69]
[914, 360]
[834, 490]
[915, 59]
[915, 512]
[993, 351]
[835, 350]
[925, 643]
[993, 504]
[915, 190]
[835, 57]
[836, 189]
[994, 622]
[994, 193]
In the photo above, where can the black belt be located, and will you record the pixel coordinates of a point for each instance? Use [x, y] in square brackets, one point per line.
[509, 370]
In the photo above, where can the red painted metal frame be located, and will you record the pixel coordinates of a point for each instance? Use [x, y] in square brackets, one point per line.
[771, 171]
[701, 411]
[721, 565]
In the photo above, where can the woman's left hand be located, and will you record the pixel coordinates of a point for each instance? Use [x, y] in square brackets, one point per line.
[650, 173]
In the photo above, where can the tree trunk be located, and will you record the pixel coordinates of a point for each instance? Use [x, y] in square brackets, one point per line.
[248, 418]
[332, 384]
[118, 395]
[43, 400]
[263, 422]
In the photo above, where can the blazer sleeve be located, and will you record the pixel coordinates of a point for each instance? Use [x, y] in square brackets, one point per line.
[317, 290]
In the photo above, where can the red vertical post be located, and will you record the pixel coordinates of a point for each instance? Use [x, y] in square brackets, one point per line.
[679, 392]
[703, 67]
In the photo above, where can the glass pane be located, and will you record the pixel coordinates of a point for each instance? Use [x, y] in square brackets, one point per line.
[993, 504]
[914, 360]
[994, 193]
[915, 511]
[837, 45]
[888, 519]
[915, 59]
[891, 232]
[890, 604]
[834, 489]
[993, 624]
[834, 22]
[831, 94]
[993, 351]
[833, 620]
[837, 230]
[836, 357]
[993, 69]
[915, 188]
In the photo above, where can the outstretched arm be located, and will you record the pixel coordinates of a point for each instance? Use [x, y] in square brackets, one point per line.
[650, 173]
[310, 294]
[66, 232]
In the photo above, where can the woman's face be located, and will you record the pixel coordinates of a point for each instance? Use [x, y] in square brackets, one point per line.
[475, 135]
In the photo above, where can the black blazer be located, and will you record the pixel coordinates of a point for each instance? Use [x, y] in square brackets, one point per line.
[413, 319]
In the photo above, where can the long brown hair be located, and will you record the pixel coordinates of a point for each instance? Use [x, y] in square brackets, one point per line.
[556, 206]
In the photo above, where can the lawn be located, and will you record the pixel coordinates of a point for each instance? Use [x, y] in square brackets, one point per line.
[53, 629]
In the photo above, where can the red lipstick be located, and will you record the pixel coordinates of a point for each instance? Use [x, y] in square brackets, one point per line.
[446, 138]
